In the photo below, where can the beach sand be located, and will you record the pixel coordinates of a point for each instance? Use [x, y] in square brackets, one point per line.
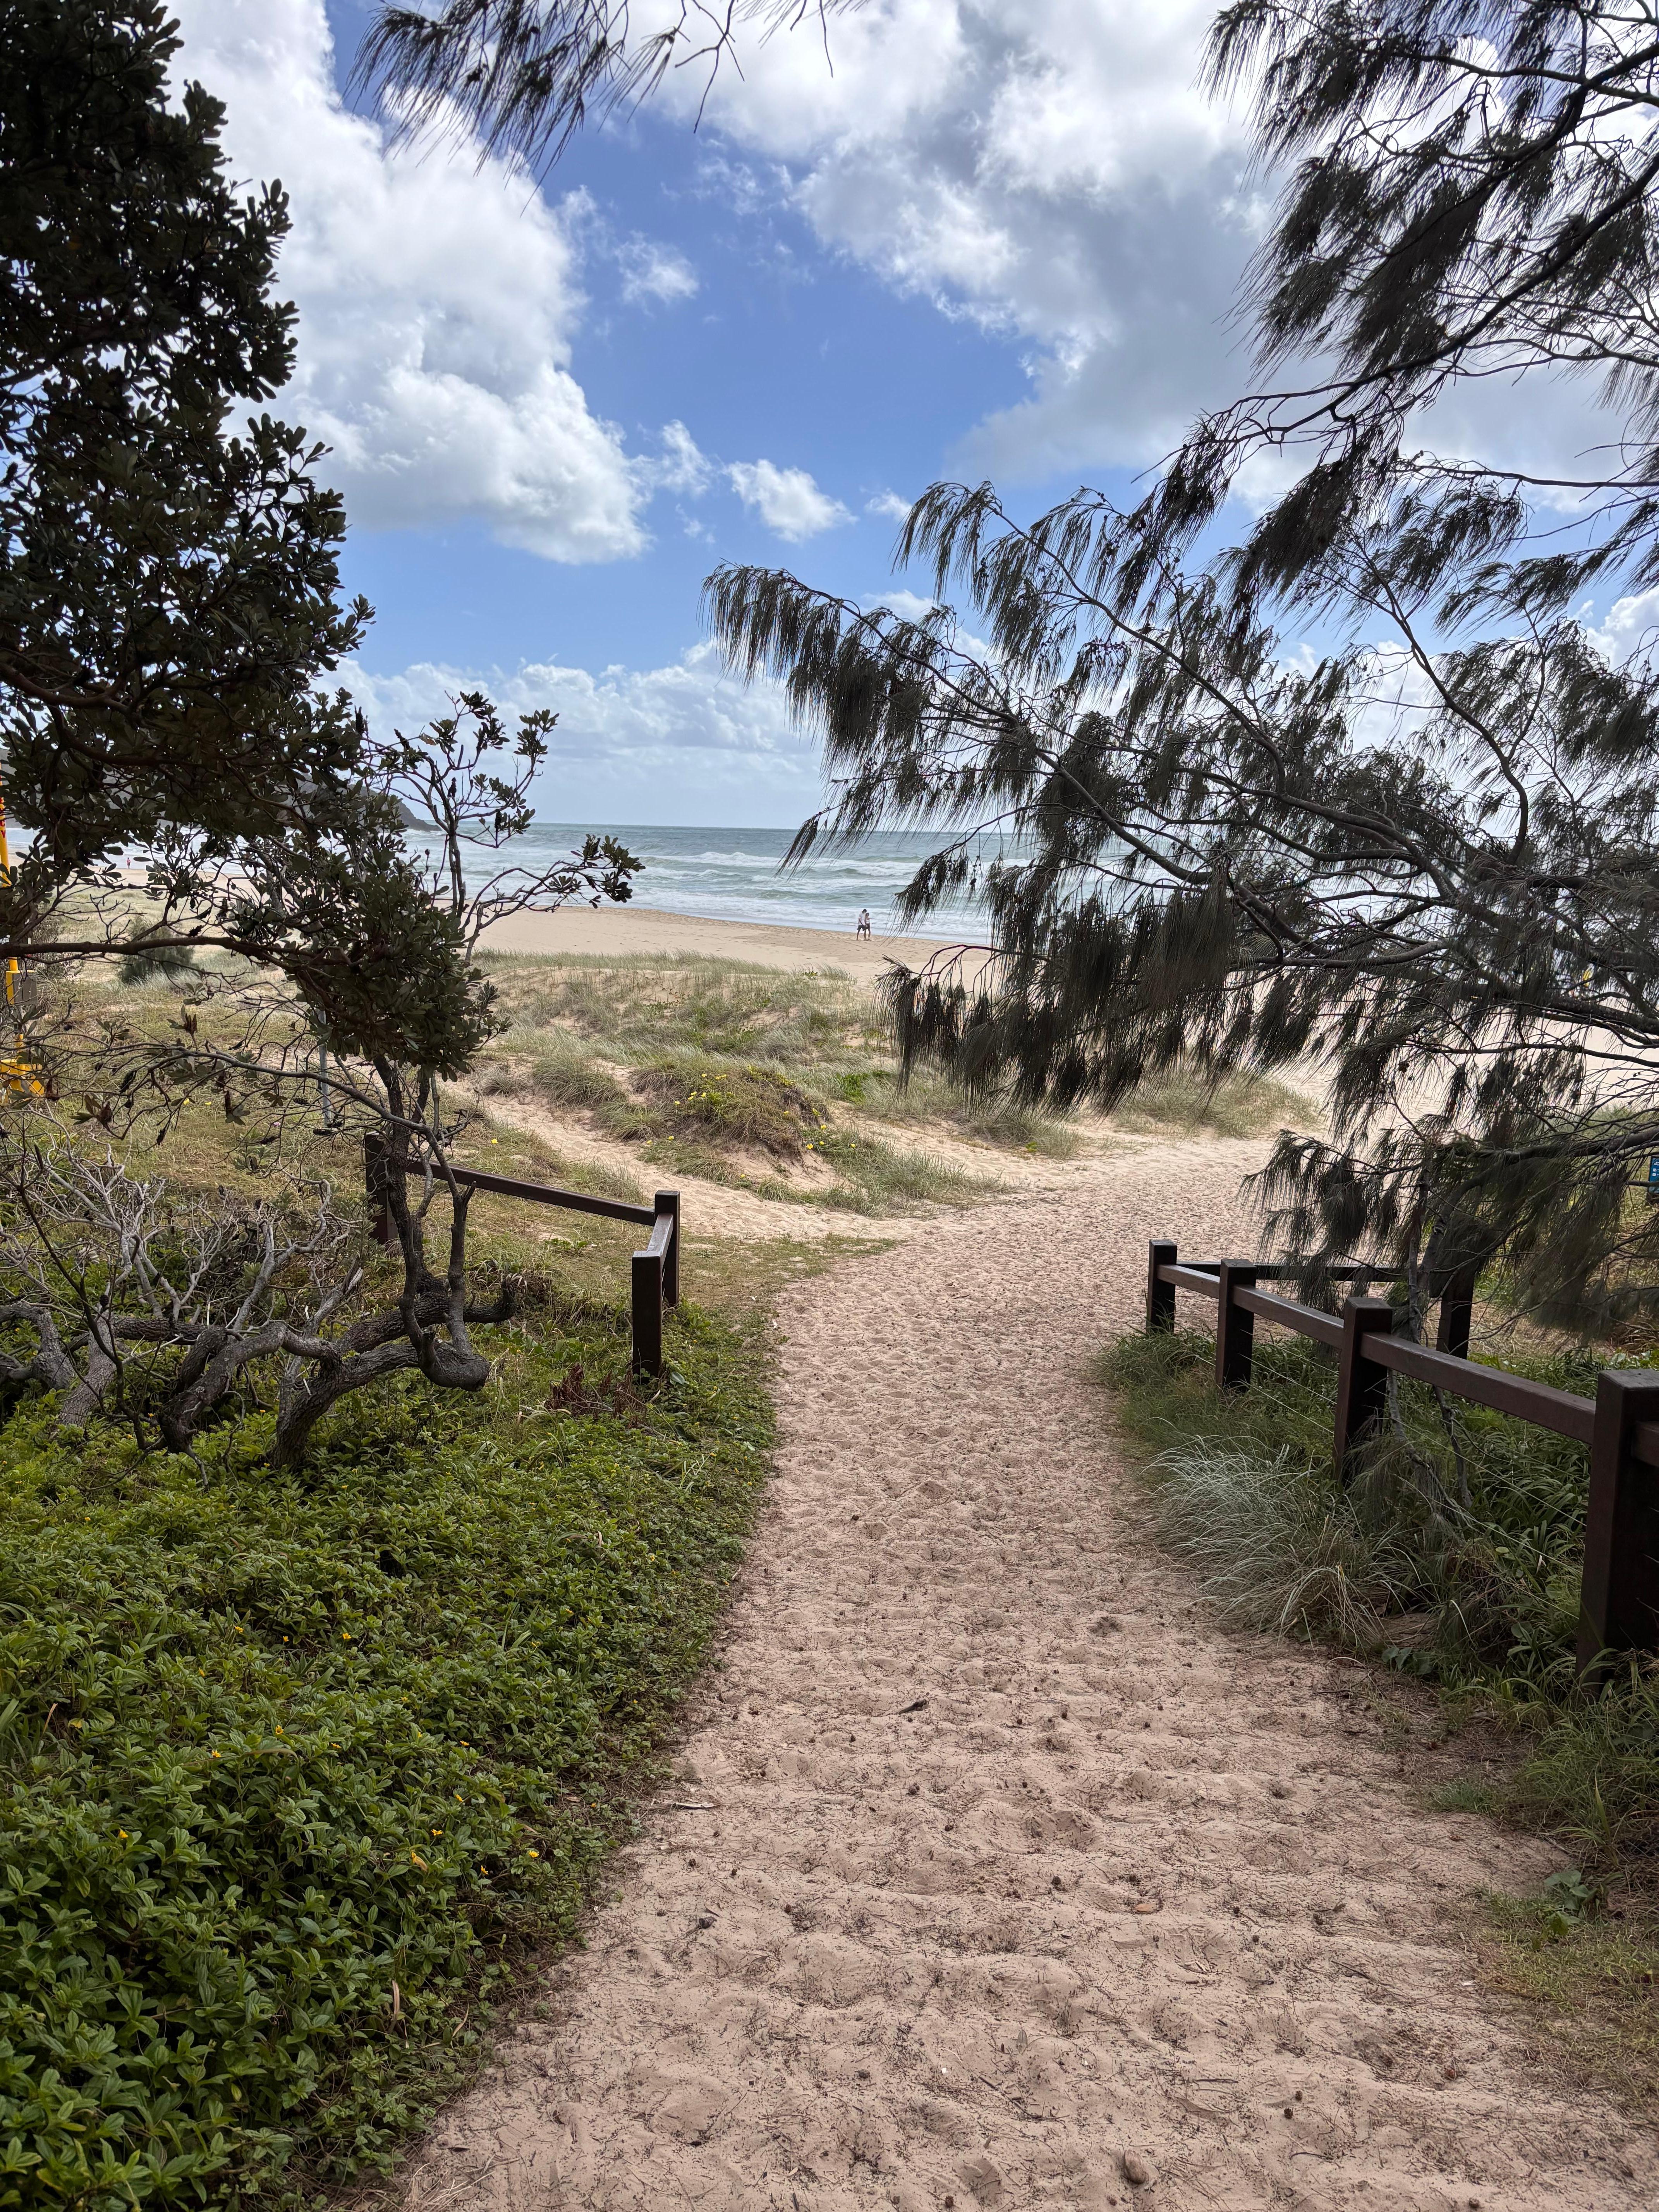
[614, 930]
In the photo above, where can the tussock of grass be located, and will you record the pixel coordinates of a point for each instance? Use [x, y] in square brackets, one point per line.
[877, 1178]
[556, 1071]
[1483, 1529]
[297, 1769]
[926, 1098]
[1592, 1772]
[1236, 1106]
[729, 1102]
[1276, 1547]
[143, 971]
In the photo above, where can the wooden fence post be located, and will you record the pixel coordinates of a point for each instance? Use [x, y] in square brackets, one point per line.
[1234, 1329]
[648, 1313]
[1160, 1296]
[1619, 1601]
[668, 1201]
[1456, 1312]
[1361, 1384]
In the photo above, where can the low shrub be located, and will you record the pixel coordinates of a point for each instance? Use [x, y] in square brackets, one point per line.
[1228, 1106]
[728, 1103]
[170, 963]
[297, 1769]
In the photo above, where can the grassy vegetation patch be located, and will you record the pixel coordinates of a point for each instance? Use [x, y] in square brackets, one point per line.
[722, 1054]
[1453, 1557]
[555, 1070]
[1236, 1106]
[1593, 1980]
[642, 1005]
[875, 1178]
[296, 1770]
[926, 1097]
[1466, 1516]
[729, 1102]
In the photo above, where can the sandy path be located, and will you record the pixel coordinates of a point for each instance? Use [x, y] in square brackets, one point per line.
[1014, 1867]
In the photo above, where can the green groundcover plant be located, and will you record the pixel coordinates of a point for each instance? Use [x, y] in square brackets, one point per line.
[298, 1768]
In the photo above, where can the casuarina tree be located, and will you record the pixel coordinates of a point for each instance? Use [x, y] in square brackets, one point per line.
[1353, 776]
[527, 75]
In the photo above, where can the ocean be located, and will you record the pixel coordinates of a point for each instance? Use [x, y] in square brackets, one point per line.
[733, 875]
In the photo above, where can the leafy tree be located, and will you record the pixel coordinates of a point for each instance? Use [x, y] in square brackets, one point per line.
[107, 1267]
[1422, 849]
[169, 593]
[169, 581]
[169, 608]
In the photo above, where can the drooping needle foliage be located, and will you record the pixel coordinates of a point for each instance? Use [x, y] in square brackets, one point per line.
[1352, 775]
[527, 75]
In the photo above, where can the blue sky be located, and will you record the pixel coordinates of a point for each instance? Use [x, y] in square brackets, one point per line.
[979, 243]
[783, 351]
[997, 237]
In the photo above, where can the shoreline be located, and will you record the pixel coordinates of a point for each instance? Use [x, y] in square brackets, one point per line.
[618, 932]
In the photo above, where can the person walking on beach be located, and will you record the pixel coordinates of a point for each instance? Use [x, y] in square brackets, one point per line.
[863, 929]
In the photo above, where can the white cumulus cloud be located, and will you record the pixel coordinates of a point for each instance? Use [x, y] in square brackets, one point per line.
[1046, 167]
[888, 503]
[630, 742]
[1630, 627]
[437, 299]
[651, 270]
[787, 500]
[684, 467]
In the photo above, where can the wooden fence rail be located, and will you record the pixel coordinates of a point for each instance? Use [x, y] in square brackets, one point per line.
[1619, 1601]
[655, 1274]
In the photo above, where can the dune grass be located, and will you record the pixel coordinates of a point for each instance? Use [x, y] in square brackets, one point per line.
[636, 1007]
[1190, 1105]
[1469, 1517]
[741, 1075]
[1453, 1558]
[706, 1063]
[748, 1076]
[726, 1102]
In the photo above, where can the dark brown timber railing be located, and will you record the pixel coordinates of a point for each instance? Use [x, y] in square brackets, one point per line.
[656, 1270]
[1619, 1604]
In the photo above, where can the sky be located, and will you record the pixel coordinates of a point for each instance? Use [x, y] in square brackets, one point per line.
[977, 238]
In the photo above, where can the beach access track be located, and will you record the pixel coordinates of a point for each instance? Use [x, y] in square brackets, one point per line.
[994, 1872]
